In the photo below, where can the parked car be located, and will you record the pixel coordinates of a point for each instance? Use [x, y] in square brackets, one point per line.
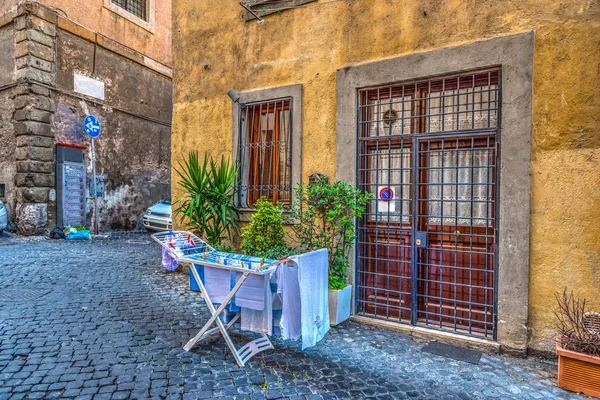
[158, 217]
[3, 217]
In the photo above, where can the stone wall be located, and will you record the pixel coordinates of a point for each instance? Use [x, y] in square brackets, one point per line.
[35, 35]
[152, 40]
[8, 142]
[133, 152]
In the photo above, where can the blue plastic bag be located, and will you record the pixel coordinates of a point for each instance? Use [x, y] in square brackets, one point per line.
[80, 235]
[168, 261]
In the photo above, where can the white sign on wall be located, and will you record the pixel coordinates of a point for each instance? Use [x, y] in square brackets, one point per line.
[88, 86]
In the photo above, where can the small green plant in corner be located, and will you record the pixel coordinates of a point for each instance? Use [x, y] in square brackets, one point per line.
[326, 214]
[265, 236]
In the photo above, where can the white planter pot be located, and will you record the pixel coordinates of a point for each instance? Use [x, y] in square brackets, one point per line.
[339, 305]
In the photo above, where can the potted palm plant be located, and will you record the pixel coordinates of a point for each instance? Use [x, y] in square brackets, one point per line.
[578, 345]
[207, 202]
[326, 214]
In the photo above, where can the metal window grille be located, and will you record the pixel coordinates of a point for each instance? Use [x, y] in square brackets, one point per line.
[136, 7]
[428, 256]
[265, 152]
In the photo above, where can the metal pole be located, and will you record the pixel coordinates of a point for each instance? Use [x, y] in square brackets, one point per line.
[96, 217]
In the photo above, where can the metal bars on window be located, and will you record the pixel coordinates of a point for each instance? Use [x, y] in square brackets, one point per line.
[265, 153]
[135, 7]
[428, 255]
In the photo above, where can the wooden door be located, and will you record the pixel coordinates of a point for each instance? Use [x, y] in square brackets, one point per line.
[429, 259]
[456, 224]
[387, 232]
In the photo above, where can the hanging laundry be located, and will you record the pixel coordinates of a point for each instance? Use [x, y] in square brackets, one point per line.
[288, 288]
[217, 282]
[313, 275]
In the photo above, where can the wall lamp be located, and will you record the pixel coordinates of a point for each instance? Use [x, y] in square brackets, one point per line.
[235, 97]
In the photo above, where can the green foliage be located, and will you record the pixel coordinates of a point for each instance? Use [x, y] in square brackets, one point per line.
[264, 236]
[326, 214]
[225, 247]
[207, 203]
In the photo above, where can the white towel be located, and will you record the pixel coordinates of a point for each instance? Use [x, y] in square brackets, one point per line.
[288, 289]
[252, 293]
[313, 275]
[256, 305]
[217, 283]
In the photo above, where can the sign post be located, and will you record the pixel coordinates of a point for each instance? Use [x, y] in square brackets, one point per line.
[92, 127]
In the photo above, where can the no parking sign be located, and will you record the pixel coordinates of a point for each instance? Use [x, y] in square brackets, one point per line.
[385, 197]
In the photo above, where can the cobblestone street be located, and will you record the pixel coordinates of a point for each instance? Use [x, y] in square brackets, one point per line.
[103, 320]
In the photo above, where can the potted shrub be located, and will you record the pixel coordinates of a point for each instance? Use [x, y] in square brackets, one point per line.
[578, 345]
[264, 236]
[325, 215]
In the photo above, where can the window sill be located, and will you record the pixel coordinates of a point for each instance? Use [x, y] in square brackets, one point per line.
[246, 216]
[147, 25]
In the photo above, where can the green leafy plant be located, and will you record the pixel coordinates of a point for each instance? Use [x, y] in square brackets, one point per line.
[265, 236]
[325, 213]
[207, 204]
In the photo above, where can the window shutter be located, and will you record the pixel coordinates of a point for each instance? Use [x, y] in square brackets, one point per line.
[266, 7]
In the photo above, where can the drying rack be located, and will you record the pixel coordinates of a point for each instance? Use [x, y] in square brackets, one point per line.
[188, 248]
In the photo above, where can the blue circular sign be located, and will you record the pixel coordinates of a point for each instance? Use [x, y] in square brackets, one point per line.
[91, 125]
[386, 194]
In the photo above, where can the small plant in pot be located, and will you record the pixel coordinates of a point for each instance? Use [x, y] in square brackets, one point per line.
[265, 236]
[578, 345]
[325, 215]
[206, 204]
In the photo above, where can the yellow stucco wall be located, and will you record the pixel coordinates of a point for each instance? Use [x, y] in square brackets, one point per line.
[215, 49]
[92, 14]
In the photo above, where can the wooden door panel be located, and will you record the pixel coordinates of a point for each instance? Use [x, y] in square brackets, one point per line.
[386, 272]
[456, 287]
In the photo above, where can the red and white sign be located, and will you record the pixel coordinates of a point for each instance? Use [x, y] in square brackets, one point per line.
[386, 193]
[385, 197]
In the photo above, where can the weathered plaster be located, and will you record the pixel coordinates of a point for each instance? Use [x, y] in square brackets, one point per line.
[215, 50]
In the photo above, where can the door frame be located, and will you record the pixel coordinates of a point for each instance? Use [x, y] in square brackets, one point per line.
[513, 55]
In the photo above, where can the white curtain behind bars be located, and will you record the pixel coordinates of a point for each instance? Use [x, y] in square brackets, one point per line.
[460, 196]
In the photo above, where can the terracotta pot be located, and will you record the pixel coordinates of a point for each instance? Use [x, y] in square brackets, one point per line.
[578, 372]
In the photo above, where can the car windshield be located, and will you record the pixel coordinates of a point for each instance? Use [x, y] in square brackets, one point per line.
[166, 201]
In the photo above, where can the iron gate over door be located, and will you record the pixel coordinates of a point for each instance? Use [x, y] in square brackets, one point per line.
[427, 256]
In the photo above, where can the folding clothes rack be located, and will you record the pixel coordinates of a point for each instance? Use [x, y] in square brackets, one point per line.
[187, 248]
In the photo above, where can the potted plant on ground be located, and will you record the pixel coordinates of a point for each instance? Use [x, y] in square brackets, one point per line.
[578, 345]
[325, 215]
[206, 204]
[264, 236]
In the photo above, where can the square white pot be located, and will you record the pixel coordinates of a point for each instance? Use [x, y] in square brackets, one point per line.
[339, 305]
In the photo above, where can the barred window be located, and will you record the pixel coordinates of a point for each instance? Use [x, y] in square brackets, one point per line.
[135, 7]
[264, 152]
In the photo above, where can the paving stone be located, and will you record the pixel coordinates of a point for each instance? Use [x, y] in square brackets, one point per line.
[115, 323]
